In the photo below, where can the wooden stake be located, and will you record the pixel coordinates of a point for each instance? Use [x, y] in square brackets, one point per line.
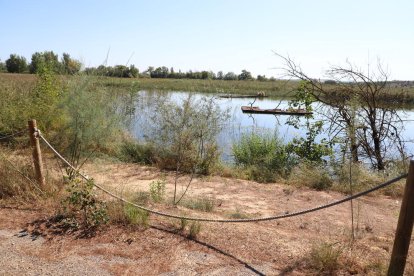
[404, 227]
[37, 154]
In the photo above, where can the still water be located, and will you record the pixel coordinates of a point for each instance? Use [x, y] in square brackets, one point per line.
[239, 123]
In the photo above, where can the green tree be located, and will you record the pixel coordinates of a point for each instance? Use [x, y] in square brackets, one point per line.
[245, 75]
[230, 76]
[184, 135]
[70, 66]
[308, 147]
[3, 67]
[16, 64]
[47, 58]
[362, 111]
[47, 95]
[133, 71]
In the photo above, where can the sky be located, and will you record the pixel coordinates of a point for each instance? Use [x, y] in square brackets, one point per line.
[217, 35]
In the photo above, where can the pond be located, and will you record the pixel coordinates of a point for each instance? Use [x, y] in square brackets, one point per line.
[239, 122]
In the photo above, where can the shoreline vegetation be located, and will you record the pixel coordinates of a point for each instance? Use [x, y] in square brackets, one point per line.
[72, 109]
[401, 92]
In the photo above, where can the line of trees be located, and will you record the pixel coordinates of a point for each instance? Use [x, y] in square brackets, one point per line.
[18, 64]
[164, 72]
[67, 65]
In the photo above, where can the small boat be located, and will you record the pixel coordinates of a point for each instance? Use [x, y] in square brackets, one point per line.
[242, 96]
[276, 111]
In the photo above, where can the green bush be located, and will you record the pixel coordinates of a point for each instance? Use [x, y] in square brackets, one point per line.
[83, 206]
[93, 120]
[185, 133]
[157, 190]
[135, 152]
[263, 156]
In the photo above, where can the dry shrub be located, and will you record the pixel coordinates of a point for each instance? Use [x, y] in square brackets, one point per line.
[204, 204]
[116, 214]
[18, 182]
[310, 175]
[238, 214]
[324, 258]
[364, 178]
[195, 229]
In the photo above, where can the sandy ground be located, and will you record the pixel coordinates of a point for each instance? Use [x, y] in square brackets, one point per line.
[272, 248]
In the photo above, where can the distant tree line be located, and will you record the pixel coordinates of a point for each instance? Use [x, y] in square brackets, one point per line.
[69, 66]
[164, 72]
[19, 64]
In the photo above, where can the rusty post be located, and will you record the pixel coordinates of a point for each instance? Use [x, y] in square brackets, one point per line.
[36, 153]
[404, 227]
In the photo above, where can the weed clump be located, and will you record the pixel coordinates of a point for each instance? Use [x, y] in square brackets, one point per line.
[18, 182]
[136, 216]
[142, 153]
[237, 214]
[204, 204]
[324, 258]
[13, 184]
[195, 229]
[157, 190]
[127, 214]
[312, 175]
[141, 198]
[263, 157]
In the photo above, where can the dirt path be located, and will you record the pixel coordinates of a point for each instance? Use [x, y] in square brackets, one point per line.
[271, 248]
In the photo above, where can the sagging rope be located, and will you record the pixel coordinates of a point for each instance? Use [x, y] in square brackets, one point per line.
[286, 215]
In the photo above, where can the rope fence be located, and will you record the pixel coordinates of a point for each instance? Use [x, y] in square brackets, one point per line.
[269, 218]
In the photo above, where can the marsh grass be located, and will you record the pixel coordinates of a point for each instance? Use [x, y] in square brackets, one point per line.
[271, 88]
